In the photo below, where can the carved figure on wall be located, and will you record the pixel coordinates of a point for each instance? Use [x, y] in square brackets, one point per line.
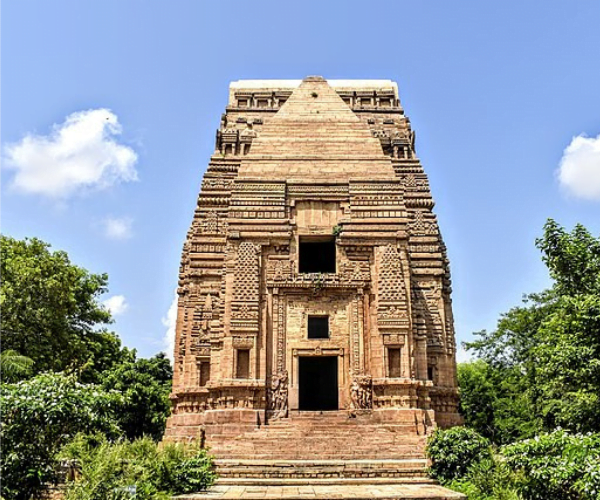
[248, 131]
[278, 395]
[361, 393]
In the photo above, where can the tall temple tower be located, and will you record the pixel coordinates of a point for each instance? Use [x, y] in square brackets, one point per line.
[314, 288]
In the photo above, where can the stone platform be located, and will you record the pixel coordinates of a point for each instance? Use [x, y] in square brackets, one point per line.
[326, 492]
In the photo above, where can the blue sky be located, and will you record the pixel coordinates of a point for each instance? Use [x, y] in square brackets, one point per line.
[496, 92]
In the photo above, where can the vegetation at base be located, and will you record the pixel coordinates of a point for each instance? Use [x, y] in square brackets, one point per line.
[556, 465]
[39, 416]
[454, 450]
[138, 469]
[533, 388]
[63, 372]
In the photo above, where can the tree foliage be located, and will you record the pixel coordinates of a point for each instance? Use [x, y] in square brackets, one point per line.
[145, 385]
[39, 416]
[14, 366]
[542, 363]
[50, 306]
[52, 322]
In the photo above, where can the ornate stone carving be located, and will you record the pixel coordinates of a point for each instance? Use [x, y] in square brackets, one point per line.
[422, 226]
[361, 393]
[243, 342]
[278, 395]
[244, 307]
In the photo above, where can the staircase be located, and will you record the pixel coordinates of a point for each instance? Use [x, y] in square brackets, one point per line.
[323, 435]
[322, 455]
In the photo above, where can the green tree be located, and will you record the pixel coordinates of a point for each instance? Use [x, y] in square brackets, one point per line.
[546, 353]
[145, 385]
[50, 306]
[13, 366]
[41, 415]
[568, 350]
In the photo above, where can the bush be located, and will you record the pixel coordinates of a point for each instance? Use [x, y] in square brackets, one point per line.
[486, 480]
[41, 415]
[138, 469]
[557, 465]
[145, 385]
[454, 450]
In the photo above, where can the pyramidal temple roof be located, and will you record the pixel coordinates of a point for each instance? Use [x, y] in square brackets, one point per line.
[315, 136]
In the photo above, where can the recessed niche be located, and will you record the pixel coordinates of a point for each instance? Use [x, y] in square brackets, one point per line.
[318, 327]
[317, 256]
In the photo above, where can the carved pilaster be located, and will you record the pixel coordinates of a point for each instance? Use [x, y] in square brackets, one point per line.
[279, 330]
[356, 336]
[245, 303]
[392, 304]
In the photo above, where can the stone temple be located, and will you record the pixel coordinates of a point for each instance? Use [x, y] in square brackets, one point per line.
[314, 335]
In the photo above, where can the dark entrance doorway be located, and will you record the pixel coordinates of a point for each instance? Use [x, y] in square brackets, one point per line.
[318, 382]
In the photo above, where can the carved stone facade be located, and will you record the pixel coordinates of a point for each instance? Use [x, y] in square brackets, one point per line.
[296, 163]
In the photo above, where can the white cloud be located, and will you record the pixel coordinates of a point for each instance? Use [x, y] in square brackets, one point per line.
[117, 228]
[78, 155]
[169, 321]
[579, 170]
[462, 355]
[116, 304]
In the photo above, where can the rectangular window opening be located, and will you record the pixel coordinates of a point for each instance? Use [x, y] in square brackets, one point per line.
[243, 363]
[204, 373]
[317, 256]
[318, 327]
[394, 363]
[430, 373]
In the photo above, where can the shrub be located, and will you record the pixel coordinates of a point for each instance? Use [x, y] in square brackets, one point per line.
[145, 385]
[557, 465]
[41, 415]
[454, 450]
[139, 469]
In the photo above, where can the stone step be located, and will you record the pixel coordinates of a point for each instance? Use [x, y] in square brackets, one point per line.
[340, 427]
[291, 454]
[317, 440]
[319, 436]
[237, 454]
[340, 430]
[342, 481]
[363, 491]
[305, 435]
[320, 469]
[265, 446]
[319, 462]
[325, 441]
